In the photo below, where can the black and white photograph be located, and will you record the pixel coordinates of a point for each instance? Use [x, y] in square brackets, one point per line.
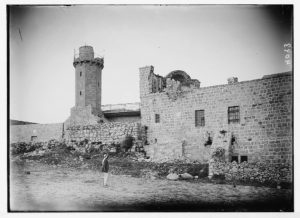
[150, 107]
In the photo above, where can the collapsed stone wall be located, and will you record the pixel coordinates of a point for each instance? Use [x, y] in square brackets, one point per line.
[263, 133]
[106, 133]
[36, 132]
[257, 172]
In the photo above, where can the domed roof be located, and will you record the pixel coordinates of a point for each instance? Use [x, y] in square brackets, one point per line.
[178, 75]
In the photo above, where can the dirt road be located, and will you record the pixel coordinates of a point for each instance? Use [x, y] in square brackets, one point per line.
[50, 188]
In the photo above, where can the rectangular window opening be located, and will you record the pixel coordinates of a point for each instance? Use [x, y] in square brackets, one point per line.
[235, 158]
[33, 138]
[157, 118]
[244, 159]
[80, 92]
[199, 118]
[234, 114]
[80, 73]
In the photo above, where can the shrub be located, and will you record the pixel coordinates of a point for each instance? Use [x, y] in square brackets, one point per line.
[218, 177]
[23, 147]
[219, 153]
[17, 148]
[84, 142]
[200, 170]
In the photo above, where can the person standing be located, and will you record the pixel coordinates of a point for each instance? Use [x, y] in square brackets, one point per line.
[155, 148]
[105, 168]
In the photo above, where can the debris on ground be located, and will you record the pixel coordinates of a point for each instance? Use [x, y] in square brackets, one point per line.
[149, 174]
[185, 176]
[172, 176]
[86, 155]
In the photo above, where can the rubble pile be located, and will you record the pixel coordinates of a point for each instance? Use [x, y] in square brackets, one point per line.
[149, 174]
[256, 172]
[88, 155]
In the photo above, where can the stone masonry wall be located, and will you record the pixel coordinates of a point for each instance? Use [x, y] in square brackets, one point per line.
[93, 87]
[105, 132]
[43, 132]
[80, 75]
[263, 133]
[82, 116]
[89, 84]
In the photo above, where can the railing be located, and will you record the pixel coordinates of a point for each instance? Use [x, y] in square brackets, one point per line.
[76, 55]
[124, 107]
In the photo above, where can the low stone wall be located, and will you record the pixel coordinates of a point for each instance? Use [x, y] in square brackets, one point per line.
[258, 172]
[105, 132]
[36, 132]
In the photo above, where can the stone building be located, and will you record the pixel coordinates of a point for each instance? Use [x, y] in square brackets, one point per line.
[251, 120]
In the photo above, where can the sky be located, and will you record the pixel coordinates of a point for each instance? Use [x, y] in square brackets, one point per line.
[209, 42]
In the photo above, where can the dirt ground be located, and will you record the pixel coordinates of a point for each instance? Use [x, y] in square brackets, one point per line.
[41, 187]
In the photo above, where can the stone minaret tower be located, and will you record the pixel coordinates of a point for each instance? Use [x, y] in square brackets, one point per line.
[88, 74]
